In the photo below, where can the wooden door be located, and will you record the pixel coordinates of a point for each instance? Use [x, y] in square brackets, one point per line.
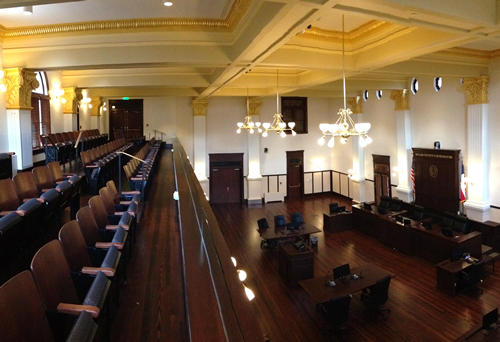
[295, 174]
[381, 176]
[226, 177]
[126, 119]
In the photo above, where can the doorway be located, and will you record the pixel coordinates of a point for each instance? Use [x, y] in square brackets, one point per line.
[381, 176]
[294, 174]
[226, 177]
[126, 119]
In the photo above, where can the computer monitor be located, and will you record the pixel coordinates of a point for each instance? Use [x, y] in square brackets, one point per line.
[341, 271]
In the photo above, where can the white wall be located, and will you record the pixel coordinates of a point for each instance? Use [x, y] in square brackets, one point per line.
[56, 107]
[4, 139]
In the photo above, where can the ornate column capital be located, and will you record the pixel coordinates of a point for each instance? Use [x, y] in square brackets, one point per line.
[69, 96]
[76, 100]
[356, 104]
[20, 82]
[200, 107]
[401, 99]
[476, 89]
[96, 102]
[253, 105]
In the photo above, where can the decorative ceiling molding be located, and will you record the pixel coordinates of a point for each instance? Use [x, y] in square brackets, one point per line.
[238, 9]
[367, 28]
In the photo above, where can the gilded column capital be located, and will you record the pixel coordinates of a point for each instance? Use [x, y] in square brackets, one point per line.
[76, 100]
[401, 99]
[200, 107]
[253, 105]
[69, 96]
[20, 82]
[356, 104]
[476, 89]
[96, 102]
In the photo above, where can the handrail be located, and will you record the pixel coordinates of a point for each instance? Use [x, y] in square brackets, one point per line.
[133, 157]
[214, 298]
[78, 139]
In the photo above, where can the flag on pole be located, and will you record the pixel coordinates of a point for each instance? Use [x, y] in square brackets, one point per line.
[412, 180]
[463, 186]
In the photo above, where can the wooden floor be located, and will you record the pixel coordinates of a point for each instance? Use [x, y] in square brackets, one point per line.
[152, 303]
[418, 311]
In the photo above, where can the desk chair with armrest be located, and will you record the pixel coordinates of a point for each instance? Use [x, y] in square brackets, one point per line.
[279, 221]
[375, 297]
[263, 225]
[471, 277]
[337, 311]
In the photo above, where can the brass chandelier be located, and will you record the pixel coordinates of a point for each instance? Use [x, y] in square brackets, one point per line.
[344, 127]
[247, 122]
[278, 125]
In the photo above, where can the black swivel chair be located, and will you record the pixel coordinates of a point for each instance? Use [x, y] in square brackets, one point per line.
[279, 221]
[262, 224]
[334, 208]
[375, 297]
[337, 310]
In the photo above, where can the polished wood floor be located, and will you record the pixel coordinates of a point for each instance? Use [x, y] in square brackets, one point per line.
[418, 311]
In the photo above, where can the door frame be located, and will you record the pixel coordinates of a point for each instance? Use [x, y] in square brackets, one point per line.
[381, 160]
[225, 158]
[290, 153]
[117, 102]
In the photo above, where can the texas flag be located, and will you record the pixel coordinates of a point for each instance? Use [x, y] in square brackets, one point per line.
[463, 186]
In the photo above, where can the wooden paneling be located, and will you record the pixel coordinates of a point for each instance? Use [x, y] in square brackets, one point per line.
[295, 174]
[344, 185]
[308, 179]
[437, 178]
[336, 182]
[317, 182]
[326, 175]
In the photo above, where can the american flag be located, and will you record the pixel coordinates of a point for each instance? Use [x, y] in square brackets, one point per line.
[412, 179]
[463, 186]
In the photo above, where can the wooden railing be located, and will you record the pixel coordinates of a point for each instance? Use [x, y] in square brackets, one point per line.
[216, 306]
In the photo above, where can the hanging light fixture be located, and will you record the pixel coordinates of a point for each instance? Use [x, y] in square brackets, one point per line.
[247, 123]
[344, 127]
[278, 125]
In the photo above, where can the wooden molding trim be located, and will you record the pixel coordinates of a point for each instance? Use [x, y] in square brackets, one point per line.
[238, 9]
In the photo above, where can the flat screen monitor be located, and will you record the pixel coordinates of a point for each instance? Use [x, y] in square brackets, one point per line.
[341, 271]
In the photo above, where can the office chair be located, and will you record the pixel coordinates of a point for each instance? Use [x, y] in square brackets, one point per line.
[337, 310]
[279, 221]
[297, 218]
[262, 224]
[471, 277]
[334, 207]
[375, 297]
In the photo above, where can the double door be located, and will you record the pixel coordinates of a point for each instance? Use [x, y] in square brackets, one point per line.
[126, 119]
[226, 178]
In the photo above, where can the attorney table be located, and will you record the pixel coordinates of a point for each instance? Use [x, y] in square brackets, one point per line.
[283, 233]
[320, 292]
[337, 222]
[413, 238]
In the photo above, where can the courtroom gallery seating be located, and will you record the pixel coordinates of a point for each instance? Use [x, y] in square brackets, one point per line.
[62, 298]
[23, 316]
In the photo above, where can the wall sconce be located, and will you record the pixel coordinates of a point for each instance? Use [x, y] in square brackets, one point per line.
[105, 107]
[86, 102]
[58, 96]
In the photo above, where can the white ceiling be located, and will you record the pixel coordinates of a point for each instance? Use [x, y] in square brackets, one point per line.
[90, 10]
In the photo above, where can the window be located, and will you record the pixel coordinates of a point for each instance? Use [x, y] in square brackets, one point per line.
[295, 109]
[438, 83]
[414, 86]
[365, 95]
[40, 114]
[379, 94]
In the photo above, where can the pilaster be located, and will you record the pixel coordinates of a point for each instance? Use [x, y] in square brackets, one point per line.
[478, 150]
[254, 178]
[200, 107]
[20, 83]
[359, 193]
[70, 108]
[403, 141]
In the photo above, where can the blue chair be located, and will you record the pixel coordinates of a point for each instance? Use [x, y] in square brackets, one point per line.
[297, 218]
[279, 221]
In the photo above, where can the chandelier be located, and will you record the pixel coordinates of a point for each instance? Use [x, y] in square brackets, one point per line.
[278, 125]
[344, 127]
[247, 123]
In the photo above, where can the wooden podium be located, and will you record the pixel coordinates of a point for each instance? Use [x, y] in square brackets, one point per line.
[295, 265]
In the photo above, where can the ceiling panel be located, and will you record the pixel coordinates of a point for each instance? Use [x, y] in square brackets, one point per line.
[91, 10]
[333, 21]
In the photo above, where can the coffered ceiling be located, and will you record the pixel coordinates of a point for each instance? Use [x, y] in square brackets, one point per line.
[224, 47]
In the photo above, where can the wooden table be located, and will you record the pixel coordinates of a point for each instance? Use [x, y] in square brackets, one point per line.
[295, 265]
[337, 222]
[447, 274]
[320, 292]
[282, 233]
